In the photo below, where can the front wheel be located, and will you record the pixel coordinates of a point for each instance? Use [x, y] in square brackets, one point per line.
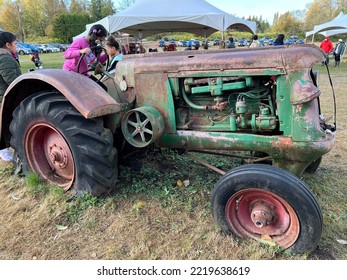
[269, 203]
[51, 138]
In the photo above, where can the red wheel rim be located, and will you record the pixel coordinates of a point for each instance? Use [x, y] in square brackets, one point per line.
[261, 214]
[49, 155]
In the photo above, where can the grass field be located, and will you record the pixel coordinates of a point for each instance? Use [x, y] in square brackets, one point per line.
[150, 216]
[50, 60]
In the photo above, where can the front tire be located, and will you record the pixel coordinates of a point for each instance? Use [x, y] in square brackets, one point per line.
[51, 138]
[266, 202]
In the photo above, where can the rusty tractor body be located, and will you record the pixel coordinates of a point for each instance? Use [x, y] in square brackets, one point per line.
[64, 127]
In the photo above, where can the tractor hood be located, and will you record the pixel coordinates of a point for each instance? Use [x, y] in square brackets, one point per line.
[283, 59]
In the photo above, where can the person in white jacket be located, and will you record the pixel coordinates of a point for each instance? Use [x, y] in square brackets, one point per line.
[338, 52]
[255, 42]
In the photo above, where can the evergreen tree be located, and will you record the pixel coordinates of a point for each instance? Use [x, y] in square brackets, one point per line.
[66, 26]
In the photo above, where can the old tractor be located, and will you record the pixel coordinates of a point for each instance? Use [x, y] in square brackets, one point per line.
[67, 129]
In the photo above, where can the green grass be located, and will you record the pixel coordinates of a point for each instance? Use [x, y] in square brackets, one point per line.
[49, 60]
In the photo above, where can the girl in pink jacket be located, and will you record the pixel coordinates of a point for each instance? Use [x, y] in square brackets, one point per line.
[84, 45]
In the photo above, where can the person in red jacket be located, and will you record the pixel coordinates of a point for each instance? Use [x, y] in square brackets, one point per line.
[327, 47]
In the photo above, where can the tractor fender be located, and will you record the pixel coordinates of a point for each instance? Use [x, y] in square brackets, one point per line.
[90, 99]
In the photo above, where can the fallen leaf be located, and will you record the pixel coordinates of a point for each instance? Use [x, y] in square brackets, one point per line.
[15, 197]
[140, 204]
[60, 227]
[266, 239]
[186, 183]
[341, 241]
[179, 183]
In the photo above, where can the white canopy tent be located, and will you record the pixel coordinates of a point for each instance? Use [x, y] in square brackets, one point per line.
[341, 31]
[149, 17]
[104, 22]
[336, 25]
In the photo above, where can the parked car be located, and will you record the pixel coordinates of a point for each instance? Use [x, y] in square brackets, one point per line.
[28, 46]
[61, 47]
[23, 50]
[54, 49]
[161, 43]
[294, 38]
[248, 42]
[195, 44]
[242, 42]
[270, 42]
[182, 43]
[300, 41]
[206, 42]
[288, 41]
[216, 42]
[46, 48]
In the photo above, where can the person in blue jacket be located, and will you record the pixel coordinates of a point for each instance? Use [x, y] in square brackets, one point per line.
[279, 40]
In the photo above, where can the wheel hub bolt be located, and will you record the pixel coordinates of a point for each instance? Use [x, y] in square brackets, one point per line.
[57, 156]
[262, 214]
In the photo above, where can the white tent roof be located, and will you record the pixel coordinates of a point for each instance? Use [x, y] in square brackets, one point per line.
[148, 17]
[334, 32]
[340, 22]
[105, 22]
[195, 16]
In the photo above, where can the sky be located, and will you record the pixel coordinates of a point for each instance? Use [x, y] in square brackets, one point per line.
[264, 8]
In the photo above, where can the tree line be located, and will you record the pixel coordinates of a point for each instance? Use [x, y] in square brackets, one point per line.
[63, 19]
[59, 19]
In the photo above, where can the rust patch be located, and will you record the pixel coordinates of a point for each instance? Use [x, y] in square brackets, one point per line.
[283, 143]
[303, 92]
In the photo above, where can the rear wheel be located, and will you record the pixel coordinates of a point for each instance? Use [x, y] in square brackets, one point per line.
[266, 202]
[51, 138]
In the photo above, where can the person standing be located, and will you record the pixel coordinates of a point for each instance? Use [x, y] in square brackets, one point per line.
[255, 42]
[339, 50]
[189, 46]
[9, 71]
[9, 67]
[327, 47]
[36, 59]
[279, 40]
[230, 43]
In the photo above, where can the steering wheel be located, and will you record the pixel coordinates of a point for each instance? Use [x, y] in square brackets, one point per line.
[96, 62]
